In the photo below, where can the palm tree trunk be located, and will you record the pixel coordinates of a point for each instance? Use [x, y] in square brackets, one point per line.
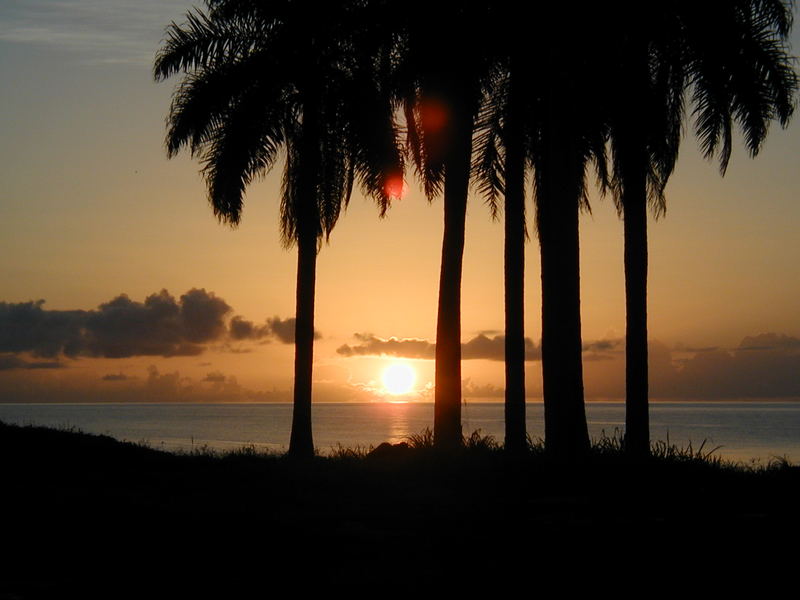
[560, 180]
[447, 395]
[301, 442]
[631, 150]
[514, 257]
[637, 422]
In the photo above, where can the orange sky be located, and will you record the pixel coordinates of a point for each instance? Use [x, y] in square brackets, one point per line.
[90, 208]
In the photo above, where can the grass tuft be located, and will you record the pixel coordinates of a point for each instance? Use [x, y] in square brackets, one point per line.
[422, 440]
[476, 441]
[340, 452]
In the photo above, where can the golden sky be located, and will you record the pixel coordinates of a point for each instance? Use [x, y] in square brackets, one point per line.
[90, 209]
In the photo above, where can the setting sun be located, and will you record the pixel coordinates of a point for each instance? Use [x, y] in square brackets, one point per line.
[399, 378]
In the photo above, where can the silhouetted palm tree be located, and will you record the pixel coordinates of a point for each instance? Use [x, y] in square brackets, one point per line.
[645, 102]
[440, 78]
[542, 112]
[571, 132]
[268, 79]
[740, 71]
[502, 157]
[734, 55]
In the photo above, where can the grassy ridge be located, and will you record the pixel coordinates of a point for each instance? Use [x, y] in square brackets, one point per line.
[90, 515]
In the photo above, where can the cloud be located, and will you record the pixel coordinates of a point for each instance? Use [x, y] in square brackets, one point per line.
[401, 347]
[284, 330]
[215, 377]
[115, 377]
[762, 366]
[493, 348]
[600, 350]
[120, 328]
[161, 326]
[12, 361]
[241, 329]
[693, 349]
[603, 345]
[275, 328]
[489, 332]
[469, 389]
[479, 347]
[770, 341]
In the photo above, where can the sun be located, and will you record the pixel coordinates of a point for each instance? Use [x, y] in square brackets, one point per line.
[399, 378]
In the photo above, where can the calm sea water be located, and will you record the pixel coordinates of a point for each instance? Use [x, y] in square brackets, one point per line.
[743, 431]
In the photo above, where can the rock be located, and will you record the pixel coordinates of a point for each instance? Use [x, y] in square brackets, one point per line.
[387, 450]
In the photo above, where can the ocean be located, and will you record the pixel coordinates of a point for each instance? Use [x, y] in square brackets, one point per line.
[747, 432]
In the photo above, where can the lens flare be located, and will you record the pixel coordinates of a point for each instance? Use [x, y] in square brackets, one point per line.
[433, 115]
[395, 187]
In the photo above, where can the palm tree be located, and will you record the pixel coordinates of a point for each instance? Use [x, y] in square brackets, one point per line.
[265, 79]
[501, 160]
[515, 162]
[645, 112]
[541, 114]
[571, 132]
[734, 55]
[440, 80]
[740, 71]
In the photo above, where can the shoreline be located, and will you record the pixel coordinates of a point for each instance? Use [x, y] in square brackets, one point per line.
[481, 400]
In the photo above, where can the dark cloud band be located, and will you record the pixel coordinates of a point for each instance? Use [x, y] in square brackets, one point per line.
[274, 328]
[479, 347]
[120, 328]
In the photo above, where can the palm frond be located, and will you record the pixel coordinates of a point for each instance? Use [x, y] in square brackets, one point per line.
[243, 144]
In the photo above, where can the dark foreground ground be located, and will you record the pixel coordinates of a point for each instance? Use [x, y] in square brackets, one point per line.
[86, 516]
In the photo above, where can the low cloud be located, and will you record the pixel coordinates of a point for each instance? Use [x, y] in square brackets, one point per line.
[214, 387]
[770, 341]
[154, 385]
[401, 347]
[162, 325]
[469, 389]
[120, 328]
[215, 377]
[479, 347]
[694, 349]
[604, 345]
[12, 361]
[275, 328]
[115, 377]
[762, 366]
[493, 348]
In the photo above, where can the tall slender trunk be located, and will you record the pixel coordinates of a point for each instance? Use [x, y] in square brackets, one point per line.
[301, 442]
[634, 203]
[447, 395]
[560, 178]
[632, 151]
[514, 266]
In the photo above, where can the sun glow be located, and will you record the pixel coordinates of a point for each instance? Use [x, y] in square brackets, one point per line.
[399, 378]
